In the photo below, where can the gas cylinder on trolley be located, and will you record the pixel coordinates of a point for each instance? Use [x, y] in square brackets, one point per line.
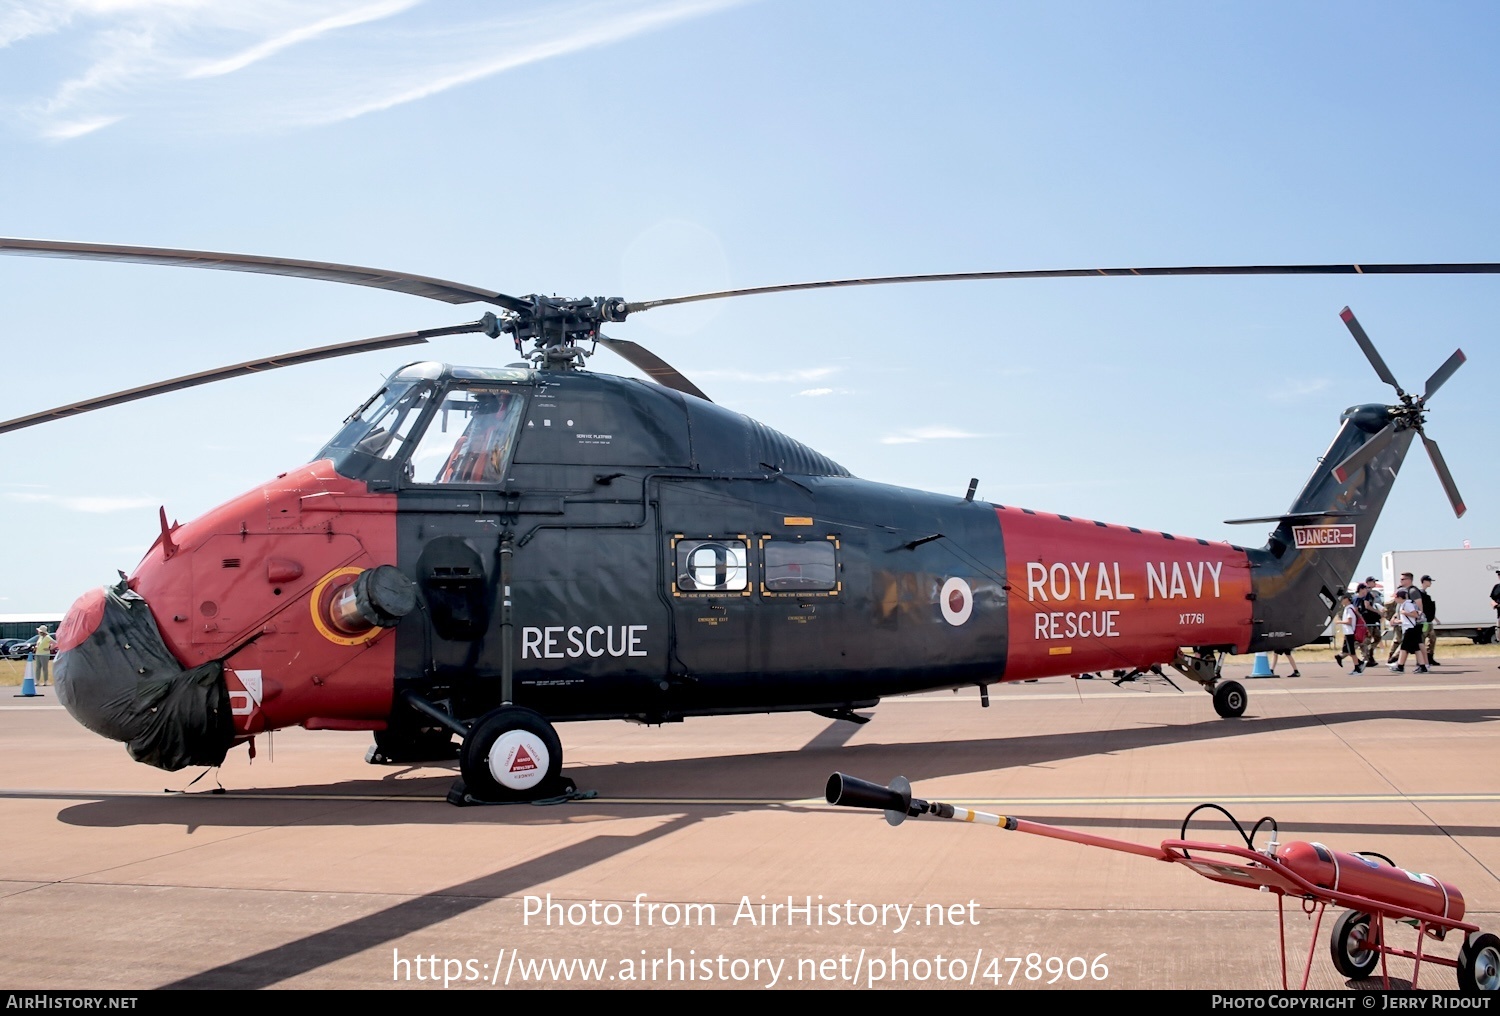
[1359, 875]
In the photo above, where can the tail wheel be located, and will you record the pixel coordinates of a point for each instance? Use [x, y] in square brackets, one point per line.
[1230, 699]
[1479, 963]
[512, 754]
[1351, 946]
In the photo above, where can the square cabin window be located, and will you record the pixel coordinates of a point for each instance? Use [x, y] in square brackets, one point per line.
[713, 566]
[800, 567]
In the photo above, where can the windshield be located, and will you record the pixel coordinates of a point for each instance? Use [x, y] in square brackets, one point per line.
[382, 425]
[470, 437]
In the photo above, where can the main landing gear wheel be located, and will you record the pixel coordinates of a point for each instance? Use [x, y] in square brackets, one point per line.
[1479, 963]
[1230, 699]
[1350, 945]
[512, 754]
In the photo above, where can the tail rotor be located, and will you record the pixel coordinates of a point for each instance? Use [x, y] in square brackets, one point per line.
[1407, 415]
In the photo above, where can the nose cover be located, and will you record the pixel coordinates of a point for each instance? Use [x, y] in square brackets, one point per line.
[115, 675]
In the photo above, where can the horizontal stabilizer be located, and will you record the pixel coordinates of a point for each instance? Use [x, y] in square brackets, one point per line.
[1294, 517]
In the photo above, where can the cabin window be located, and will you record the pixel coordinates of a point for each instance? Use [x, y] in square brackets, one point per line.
[469, 438]
[796, 567]
[712, 565]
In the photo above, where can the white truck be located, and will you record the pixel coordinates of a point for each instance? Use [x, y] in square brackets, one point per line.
[1461, 582]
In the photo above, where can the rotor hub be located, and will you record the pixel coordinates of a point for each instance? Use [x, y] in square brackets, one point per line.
[559, 328]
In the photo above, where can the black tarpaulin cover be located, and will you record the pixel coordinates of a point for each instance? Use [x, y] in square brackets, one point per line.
[122, 682]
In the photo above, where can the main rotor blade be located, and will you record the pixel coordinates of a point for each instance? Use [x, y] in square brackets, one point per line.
[652, 365]
[1371, 353]
[219, 374]
[1443, 373]
[1364, 453]
[1469, 268]
[377, 278]
[1444, 477]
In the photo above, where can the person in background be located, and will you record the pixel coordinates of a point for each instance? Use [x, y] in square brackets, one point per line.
[1409, 611]
[1413, 595]
[1429, 609]
[1364, 602]
[42, 655]
[1495, 599]
[1389, 614]
[1351, 622]
[1288, 654]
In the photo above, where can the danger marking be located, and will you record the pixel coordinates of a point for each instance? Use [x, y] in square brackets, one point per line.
[523, 761]
[1323, 536]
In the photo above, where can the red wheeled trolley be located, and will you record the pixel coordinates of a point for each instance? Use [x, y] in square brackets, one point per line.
[1376, 893]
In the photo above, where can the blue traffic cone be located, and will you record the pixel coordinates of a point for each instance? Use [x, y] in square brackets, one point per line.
[1262, 666]
[28, 678]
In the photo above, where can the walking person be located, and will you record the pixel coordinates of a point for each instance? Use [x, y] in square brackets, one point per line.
[1353, 625]
[1391, 616]
[1366, 603]
[1429, 609]
[1409, 610]
[1398, 632]
[1288, 654]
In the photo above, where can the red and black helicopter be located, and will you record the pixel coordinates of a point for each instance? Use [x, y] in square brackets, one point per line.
[479, 552]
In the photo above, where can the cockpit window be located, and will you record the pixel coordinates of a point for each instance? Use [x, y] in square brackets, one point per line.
[470, 437]
[381, 426]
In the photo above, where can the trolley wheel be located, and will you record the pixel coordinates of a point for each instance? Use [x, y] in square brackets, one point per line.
[1352, 955]
[512, 754]
[1230, 699]
[1479, 963]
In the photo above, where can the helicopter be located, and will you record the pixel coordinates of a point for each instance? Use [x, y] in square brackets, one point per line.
[479, 553]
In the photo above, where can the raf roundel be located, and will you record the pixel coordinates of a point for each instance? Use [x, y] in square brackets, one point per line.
[957, 601]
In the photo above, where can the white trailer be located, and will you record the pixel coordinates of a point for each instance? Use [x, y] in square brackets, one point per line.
[1461, 582]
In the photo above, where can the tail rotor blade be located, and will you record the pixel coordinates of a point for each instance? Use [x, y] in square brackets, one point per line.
[1371, 353]
[1364, 453]
[1443, 373]
[1444, 477]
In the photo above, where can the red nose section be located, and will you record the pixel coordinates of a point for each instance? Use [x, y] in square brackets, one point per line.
[82, 620]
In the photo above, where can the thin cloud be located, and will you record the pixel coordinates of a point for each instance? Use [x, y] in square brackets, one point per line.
[1298, 389]
[808, 374]
[303, 33]
[19, 22]
[90, 505]
[606, 31]
[814, 392]
[66, 130]
[259, 65]
[920, 435]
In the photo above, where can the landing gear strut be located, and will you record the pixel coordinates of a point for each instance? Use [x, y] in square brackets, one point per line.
[1205, 667]
[412, 746]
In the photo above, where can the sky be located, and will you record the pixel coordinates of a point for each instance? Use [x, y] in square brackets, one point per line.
[654, 148]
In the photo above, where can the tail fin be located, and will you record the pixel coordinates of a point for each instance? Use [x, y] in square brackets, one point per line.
[1316, 547]
[1298, 575]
